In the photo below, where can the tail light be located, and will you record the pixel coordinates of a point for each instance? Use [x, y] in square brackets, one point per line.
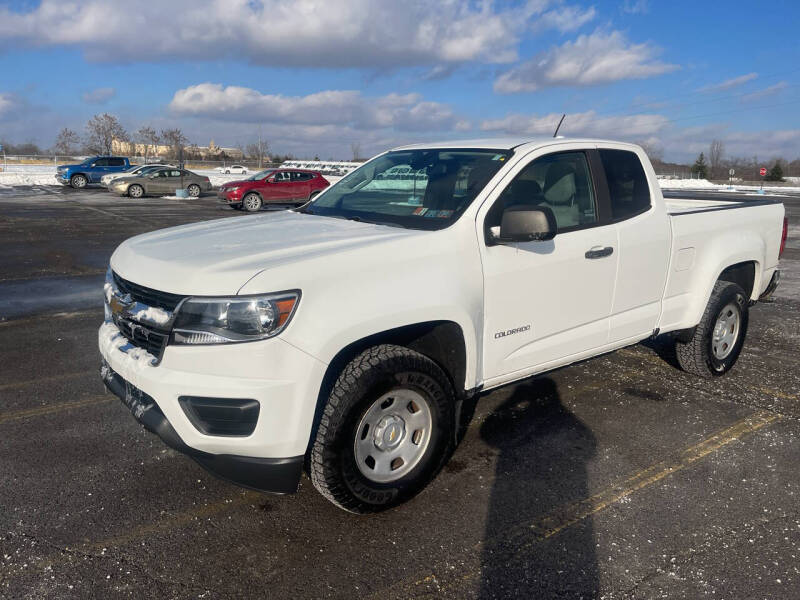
[784, 235]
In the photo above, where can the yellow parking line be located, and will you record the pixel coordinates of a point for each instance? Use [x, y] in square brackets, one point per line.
[50, 409]
[564, 517]
[552, 524]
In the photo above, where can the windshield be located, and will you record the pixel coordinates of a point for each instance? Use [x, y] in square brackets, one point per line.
[417, 189]
[150, 169]
[261, 175]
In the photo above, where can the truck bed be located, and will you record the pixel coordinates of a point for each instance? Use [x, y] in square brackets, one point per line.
[685, 201]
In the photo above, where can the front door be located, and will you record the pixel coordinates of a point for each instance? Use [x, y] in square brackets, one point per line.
[548, 300]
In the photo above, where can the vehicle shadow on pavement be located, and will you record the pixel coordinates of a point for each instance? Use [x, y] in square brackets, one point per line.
[541, 468]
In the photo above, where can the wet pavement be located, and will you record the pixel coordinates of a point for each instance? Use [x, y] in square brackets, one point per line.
[618, 477]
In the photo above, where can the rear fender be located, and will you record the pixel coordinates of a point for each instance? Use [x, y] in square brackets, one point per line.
[748, 247]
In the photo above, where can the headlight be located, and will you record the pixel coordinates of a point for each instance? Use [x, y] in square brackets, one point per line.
[235, 319]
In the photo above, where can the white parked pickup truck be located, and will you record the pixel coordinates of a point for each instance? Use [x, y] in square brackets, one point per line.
[343, 337]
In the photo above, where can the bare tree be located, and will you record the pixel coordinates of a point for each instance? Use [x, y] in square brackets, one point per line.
[66, 141]
[176, 140]
[148, 138]
[258, 150]
[654, 152]
[715, 158]
[355, 147]
[102, 130]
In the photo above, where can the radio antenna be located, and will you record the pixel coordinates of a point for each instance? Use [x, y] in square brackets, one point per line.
[559, 124]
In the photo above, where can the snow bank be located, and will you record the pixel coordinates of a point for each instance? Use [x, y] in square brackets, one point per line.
[684, 184]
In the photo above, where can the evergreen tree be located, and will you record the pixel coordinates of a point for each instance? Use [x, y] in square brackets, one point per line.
[775, 173]
[700, 168]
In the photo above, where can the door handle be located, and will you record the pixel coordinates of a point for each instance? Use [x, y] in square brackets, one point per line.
[598, 252]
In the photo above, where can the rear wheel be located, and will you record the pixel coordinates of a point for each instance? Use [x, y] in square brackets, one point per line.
[194, 190]
[78, 181]
[135, 191]
[252, 202]
[385, 432]
[716, 342]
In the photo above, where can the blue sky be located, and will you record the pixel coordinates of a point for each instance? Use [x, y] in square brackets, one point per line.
[317, 76]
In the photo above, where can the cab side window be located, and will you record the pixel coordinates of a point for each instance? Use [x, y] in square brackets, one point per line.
[627, 183]
[561, 182]
[281, 176]
[101, 162]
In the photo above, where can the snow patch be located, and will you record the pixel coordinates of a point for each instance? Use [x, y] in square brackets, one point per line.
[153, 314]
[132, 359]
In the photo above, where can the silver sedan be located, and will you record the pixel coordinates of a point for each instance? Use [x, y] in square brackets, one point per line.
[163, 182]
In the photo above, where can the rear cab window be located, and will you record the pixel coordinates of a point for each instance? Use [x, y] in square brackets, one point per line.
[627, 183]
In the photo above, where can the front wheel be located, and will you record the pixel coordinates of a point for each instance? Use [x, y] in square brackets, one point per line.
[252, 202]
[135, 191]
[78, 181]
[385, 432]
[716, 342]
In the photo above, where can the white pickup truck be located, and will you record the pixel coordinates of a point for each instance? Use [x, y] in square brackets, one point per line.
[343, 337]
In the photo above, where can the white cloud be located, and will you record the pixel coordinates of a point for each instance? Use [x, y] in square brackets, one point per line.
[631, 127]
[729, 83]
[592, 59]
[766, 92]
[403, 112]
[565, 18]
[99, 95]
[636, 7]
[6, 103]
[315, 33]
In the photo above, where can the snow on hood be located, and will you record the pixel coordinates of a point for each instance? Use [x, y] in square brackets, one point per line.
[219, 257]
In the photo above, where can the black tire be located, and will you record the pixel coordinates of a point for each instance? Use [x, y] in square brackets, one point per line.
[252, 202]
[194, 190]
[78, 181]
[135, 191]
[377, 371]
[695, 352]
[312, 196]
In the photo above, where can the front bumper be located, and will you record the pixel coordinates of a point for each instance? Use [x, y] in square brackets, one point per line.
[284, 380]
[229, 196]
[275, 475]
[62, 178]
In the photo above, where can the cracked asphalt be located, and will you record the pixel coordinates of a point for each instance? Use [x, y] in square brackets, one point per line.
[618, 477]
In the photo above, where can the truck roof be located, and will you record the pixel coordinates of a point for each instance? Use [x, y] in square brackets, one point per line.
[503, 143]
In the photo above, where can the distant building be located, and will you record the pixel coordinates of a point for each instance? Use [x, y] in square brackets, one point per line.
[210, 152]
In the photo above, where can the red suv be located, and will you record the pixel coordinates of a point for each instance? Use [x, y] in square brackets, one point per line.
[273, 186]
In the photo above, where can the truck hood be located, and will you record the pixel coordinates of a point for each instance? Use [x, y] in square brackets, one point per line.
[219, 257]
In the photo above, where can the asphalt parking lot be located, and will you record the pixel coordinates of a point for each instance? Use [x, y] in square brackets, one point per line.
[619, 477]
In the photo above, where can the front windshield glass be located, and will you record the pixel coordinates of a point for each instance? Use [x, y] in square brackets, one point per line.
[417, 189]
[150, 169]
[261, 175]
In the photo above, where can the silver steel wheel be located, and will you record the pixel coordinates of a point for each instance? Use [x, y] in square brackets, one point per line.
[194, 190]
[252, 202]
[393, 435]
[135, 191]
[79, 181]
[726, 331]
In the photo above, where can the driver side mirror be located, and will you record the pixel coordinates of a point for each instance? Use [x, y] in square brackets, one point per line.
[527, 224]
